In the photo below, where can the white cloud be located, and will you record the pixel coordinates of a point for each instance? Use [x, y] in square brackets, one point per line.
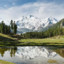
[37, 9]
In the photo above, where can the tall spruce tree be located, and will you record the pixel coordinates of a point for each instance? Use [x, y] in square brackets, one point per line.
[15, 28]
[12, 24]
[2, 27]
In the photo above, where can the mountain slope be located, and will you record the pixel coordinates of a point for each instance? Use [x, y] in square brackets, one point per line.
[7, 40]
[31, 23]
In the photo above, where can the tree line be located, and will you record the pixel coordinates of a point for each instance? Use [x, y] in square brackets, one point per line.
[8, 29]
[55, 30]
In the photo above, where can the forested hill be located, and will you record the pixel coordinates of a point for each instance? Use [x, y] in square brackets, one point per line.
[55, 30]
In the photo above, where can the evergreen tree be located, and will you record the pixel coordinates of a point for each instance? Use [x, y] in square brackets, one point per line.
[12, 24]
[2, 27]
[15, 28]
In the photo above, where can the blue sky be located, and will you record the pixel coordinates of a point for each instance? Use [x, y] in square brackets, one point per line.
[10, 3]
[14, 9]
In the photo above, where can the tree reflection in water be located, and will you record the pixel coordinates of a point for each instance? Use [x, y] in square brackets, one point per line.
[60, 52]
[12, 51]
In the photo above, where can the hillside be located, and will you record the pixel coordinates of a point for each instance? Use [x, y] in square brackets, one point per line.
[7, 40]
[55, 30]
[59, 25]
[53, 36]
[57, 40]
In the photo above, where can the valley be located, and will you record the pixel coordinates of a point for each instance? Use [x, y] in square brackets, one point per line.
[52, 35]
[57, 40]
[8, 40]
[31, 31]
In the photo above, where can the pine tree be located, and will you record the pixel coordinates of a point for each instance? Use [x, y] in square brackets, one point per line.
[8, 29]
[15, 28]
[2, 27]
[12, 24]
[5, 29]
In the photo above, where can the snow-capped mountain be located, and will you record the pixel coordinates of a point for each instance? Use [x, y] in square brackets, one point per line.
[31, 23]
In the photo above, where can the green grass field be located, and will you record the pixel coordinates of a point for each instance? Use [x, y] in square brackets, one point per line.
[57, 40]
[7, 36]
[8, 40]
[5, 62]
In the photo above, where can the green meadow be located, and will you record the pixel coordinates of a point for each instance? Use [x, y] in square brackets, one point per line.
[57, 40]
[7, 40]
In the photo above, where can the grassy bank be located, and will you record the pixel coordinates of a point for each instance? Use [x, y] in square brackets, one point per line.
[57, 40]
[10, 40]
[5, 62]
[7, 40]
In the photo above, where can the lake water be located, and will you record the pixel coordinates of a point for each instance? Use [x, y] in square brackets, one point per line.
[32, 55]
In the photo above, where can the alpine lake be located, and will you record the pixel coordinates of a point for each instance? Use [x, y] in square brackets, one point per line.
[33, 54]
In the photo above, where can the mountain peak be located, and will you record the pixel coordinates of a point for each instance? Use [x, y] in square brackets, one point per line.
[31, 15]
[52, 20]
[31, 23]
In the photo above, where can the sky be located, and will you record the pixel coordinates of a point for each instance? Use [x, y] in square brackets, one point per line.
[14, 9]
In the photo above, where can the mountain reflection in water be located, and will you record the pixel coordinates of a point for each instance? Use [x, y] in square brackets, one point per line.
[32, 55]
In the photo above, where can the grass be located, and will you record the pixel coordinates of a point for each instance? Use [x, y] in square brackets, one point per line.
[52, 61]
[57, 40]
[7, 40]
[15, 40]
[5, 62]
[7, 36]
